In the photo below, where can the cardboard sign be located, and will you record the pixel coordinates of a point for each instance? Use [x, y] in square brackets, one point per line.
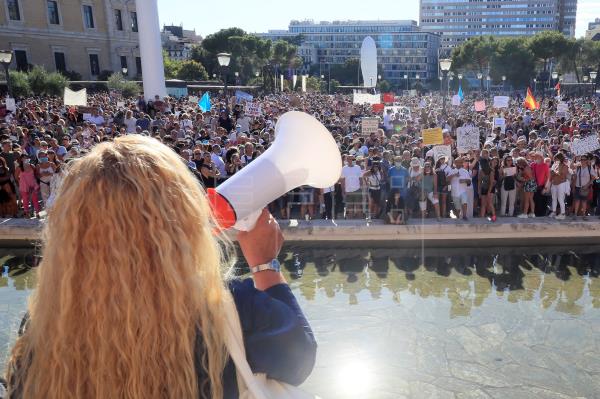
[369, 125]
[501, 123]
[75, 97]
[11, 105]
[585, 145]
[480, 106]
[442, 151]
[510, 171]
[501, 101]
[432, 136]
[120, 104]
[365, 98]
[253, 109]
[467, 139]
[402, 112]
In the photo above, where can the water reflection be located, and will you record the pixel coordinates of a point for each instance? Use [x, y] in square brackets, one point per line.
[557, 277]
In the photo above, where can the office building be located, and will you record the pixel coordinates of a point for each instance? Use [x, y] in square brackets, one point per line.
[593, 31]
[178, 42]
[402, 48]
[459, 20]
[88, 36]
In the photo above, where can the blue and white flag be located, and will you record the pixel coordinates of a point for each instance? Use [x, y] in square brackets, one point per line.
[243, 96]
[460, 93]
[204, 102]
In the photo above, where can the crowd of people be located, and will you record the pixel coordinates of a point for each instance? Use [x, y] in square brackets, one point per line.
[525, 168]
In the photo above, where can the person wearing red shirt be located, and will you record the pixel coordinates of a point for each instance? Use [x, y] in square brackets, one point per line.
[541, 172]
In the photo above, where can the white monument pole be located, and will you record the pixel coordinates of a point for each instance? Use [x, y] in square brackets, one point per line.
[153, 69]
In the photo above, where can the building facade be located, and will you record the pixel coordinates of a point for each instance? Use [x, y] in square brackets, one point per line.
[459, 20]
[178, 42]
[84, 36]
[593, 31]
[402, 48]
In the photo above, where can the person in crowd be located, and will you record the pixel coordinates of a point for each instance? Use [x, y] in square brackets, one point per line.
[415, 186]
[8, 197]
[583, 178]
[442, 170]
[559, 185]
[399, 177]
[130, 122]
[44, 170]
[429, 191]
[395, 208]
[209, 172]
[486, 189]
[541, 171]
[169, 311]
[352, 178]
[508, 187]
[28, 186]
[374, 178]
[527, 179]
[460, 179]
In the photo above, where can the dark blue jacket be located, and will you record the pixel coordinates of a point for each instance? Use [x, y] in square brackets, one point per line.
[277, 337]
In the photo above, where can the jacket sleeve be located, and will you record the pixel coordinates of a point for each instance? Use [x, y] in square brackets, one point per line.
[278, 339]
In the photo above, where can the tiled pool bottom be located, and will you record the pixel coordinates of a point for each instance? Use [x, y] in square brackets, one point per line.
[447, 323]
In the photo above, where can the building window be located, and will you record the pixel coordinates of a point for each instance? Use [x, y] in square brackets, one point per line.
[21, 60]
[14, 14]
[138, 66]
[118, 20]
[123, 62]
[88, 17]
[94, 65]
[53, 16]
[59, 62]
[134, 25]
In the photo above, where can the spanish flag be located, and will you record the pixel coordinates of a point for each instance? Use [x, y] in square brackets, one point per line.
[557, 88]
[530, 102]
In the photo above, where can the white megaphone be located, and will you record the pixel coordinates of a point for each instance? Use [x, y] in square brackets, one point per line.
[303, 153]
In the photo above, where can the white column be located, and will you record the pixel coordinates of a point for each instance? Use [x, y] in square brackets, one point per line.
[153, 69]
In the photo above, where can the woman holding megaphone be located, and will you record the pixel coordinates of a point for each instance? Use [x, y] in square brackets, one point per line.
[131, 299]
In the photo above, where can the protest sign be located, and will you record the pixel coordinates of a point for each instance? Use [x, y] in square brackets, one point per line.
[369, 125]
[432, 136]
[121, 104]
[442, 151]
[585, 145]
[253, 109]
[388, 98]
[402, 112]
[510, 171]
[480, 106]
[501, 123]
[378, 108]
[587, 107]
[193, 100]
[467, 139]
[10, 104]
[456, 99]
[75, 97]
[501, 101]
[366, 98]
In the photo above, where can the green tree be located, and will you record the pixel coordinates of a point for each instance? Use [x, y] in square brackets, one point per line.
[171, 66]
[37, 79]
[192, 71]
[590, 56]
[19, 83]
[475, 55]
[334, 85]
[347, 73]
[55, 84]
[384, 86]
[546, 46]
[314, 84]
[514, 60]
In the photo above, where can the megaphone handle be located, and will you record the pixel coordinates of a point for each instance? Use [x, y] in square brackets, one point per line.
[247, 223]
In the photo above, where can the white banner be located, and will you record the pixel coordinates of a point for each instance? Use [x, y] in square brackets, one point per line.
[193, 100]
[399, 112]
[442, 151]
[253, 109]
[369, 125]
[11, 105]
[366, 98]
[75, 97]
[501, 101]
[121, 104]
[501, 123]
[294, 80]
[281, 76]
[467, 138]
[585, 145]
[303, 83]
[456, 99]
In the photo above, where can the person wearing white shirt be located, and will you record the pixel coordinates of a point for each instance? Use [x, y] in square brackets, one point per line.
[244, 123]
[215, 157]
[129, 122]
[351, 187]
[460, 179]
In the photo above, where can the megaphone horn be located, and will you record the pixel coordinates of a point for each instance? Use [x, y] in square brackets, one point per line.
[303, 153]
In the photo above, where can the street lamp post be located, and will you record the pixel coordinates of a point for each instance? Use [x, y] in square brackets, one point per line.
[480, 78]
[237, 78]
[224, 59]
[554, 78]
[417, 77]
[445, 65]
[441, 82]
[5, 60]
[488, 79]
[406, 78]
[450, 79]
[124, 70]
[534, 85]
[503, 84]
[593, 76]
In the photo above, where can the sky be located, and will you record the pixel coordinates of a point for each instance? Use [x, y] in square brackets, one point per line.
[259, 16]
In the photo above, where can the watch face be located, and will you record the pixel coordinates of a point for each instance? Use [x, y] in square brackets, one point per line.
[275, 265]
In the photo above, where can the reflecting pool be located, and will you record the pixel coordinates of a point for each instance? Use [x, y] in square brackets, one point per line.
[433, 323]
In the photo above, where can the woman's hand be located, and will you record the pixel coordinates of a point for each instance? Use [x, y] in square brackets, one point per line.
[262, 244]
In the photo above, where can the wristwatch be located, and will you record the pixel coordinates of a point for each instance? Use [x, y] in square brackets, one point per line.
[273, 265]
